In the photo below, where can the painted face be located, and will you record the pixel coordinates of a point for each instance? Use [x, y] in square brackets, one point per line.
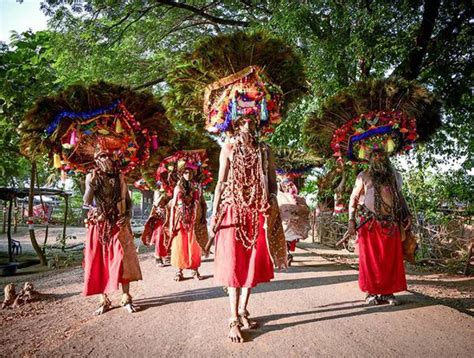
[105, 162]
[188, 174]
[247, 125]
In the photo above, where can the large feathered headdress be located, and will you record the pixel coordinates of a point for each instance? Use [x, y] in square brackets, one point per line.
[235, 74]
[77, 122]
[388, 115]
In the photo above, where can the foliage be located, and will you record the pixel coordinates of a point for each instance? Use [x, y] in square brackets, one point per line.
[26, 73]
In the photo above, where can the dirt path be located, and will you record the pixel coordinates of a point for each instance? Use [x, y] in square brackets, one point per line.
[314, 309]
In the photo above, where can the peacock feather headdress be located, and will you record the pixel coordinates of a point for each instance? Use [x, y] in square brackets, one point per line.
[249, 73]
[73, 124]
[389, 114]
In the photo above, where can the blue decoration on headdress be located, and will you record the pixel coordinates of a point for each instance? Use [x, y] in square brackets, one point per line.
[233, 107]
[78, 115]
[263, 112]
[367, 134]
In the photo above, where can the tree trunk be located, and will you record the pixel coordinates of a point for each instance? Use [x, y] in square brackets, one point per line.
[9, 231]
[31, 229]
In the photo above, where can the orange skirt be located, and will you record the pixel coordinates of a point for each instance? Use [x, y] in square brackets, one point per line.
[185, 250]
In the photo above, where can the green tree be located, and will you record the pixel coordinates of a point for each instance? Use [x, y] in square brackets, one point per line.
[26, 73]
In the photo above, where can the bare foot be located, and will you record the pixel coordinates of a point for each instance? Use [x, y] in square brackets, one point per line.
[131, 308]
[197, 275]
[179, 276]
[235, 335]
[247, 323]
[105, 305]
[127, 303]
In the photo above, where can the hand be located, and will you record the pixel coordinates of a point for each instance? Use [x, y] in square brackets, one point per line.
[351, 230]
[213, 222]
[122, 221]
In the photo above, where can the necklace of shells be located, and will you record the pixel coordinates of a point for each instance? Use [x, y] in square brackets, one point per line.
[247, 191]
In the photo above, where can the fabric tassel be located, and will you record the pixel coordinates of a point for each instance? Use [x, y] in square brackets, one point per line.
[73, 138]
[154, 142]
[118, 126]
[56, 161]
[390, 145]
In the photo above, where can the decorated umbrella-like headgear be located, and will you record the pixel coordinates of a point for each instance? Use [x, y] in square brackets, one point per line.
[172, 168]
[79, 122]
[239, 74]
[294, 165]
[246, 93]
[388, 115]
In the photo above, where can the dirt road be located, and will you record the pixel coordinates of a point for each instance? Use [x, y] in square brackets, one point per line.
[314, 309]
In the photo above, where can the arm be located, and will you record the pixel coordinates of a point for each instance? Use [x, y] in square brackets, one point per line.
[222, 178]
[89, 192]
[173, 211]
[354, 201]
[406, 214]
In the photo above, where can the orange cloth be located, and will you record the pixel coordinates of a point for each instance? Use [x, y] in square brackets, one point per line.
[185, 250]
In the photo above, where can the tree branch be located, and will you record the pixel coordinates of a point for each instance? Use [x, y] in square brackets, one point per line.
[148, 84]
[202, 13]
[411, 66]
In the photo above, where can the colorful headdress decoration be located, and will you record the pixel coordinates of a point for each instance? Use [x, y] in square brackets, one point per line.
[113, 130]
[386, 115]
[246, 93]
[78, 121]
[392, 132]
[172, 168]
[227, 70]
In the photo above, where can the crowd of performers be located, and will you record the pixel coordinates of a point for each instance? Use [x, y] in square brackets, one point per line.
[245, 226]
[257, 218]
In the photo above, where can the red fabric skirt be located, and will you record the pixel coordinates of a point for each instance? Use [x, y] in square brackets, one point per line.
[381, 269]
[158, 238]
[292, 245]
[102, 262]
[235, 265]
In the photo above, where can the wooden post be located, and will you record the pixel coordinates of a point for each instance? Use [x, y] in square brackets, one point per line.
[4, 211]
[66, 200]
[15, 217]
[9, 230]
[31, 229]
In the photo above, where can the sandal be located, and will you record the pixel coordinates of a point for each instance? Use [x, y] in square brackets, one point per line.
[235, 335]
[105, 305]
[179, 276]
[372, 300]
[245, 320]
[127, 303]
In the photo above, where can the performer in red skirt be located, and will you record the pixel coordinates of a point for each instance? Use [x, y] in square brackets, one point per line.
[155, 228]
[110, 257]
[384, 215]
[245, 194]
